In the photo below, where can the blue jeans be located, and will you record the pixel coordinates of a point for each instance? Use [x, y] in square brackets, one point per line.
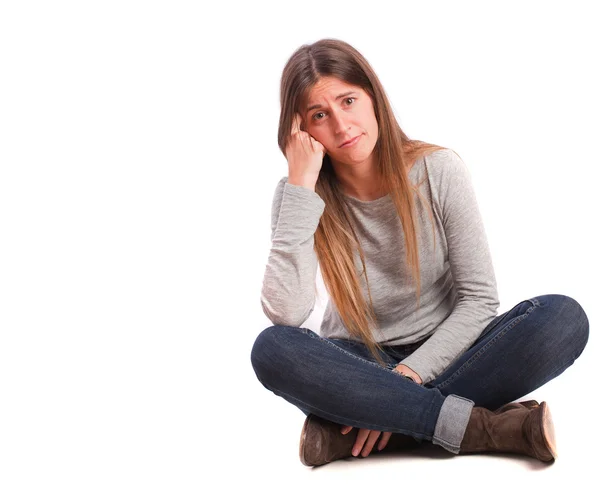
[339, 379]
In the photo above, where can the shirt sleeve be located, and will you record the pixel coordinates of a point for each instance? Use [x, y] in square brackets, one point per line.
[472, 271]
[289, 283]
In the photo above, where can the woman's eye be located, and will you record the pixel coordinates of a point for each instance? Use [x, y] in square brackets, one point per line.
[321, 113]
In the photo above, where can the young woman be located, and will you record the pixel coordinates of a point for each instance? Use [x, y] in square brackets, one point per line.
[411, 346]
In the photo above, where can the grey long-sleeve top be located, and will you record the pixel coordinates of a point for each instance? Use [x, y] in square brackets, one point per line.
[458, 287]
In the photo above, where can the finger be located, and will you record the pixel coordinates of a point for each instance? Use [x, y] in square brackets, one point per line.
[316, 145]
[385, 437]
[302, 126]
[371, 440]
[346, 428]
[296, 123]
[360, 441]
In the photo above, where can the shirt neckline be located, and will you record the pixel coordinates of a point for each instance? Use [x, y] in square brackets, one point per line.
[383, 198]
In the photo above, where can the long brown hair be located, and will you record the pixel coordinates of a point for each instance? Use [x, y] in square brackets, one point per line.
[335, 240]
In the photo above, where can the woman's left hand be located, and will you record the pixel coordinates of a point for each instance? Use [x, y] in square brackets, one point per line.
[370, 436]
[366, 439]
[407, 371]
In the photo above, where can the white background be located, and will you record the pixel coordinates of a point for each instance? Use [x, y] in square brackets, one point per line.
[138, 153]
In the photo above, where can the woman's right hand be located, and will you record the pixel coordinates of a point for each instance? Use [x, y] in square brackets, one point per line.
[304, 155]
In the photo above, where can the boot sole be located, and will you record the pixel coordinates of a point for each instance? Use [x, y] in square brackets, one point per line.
[547, 428]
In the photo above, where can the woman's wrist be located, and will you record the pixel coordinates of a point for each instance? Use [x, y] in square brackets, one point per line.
[410, 377]
[409, 373]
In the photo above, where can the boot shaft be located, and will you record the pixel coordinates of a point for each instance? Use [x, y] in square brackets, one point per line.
[514, 428]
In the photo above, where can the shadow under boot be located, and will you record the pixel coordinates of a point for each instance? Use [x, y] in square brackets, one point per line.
[513, 428]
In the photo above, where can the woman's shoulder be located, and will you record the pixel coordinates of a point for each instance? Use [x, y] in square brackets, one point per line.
[443, 163]
[443, 156]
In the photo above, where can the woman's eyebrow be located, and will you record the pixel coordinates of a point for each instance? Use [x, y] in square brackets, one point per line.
[337, 97]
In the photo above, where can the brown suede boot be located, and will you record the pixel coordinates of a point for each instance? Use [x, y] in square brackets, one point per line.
[513, 428]
[322, 442]
[528, 404]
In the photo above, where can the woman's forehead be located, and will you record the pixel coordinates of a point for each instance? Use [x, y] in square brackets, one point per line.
[327, 87]
[329, 84]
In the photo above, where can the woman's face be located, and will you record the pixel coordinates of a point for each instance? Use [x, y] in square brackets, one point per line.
[337, 112]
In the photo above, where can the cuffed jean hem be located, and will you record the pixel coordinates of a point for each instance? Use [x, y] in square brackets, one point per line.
[452, 422]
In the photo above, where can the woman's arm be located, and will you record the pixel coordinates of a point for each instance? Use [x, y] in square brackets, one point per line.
[471, 265]
[288, 292]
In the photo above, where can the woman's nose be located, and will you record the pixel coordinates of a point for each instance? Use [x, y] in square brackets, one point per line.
[341, 122]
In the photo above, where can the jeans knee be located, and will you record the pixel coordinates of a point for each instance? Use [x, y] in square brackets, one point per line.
[262, 347]
[580, 326]
[267, 348]
[572, 320]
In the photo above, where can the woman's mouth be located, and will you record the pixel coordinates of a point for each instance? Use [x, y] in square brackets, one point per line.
[352, 142]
